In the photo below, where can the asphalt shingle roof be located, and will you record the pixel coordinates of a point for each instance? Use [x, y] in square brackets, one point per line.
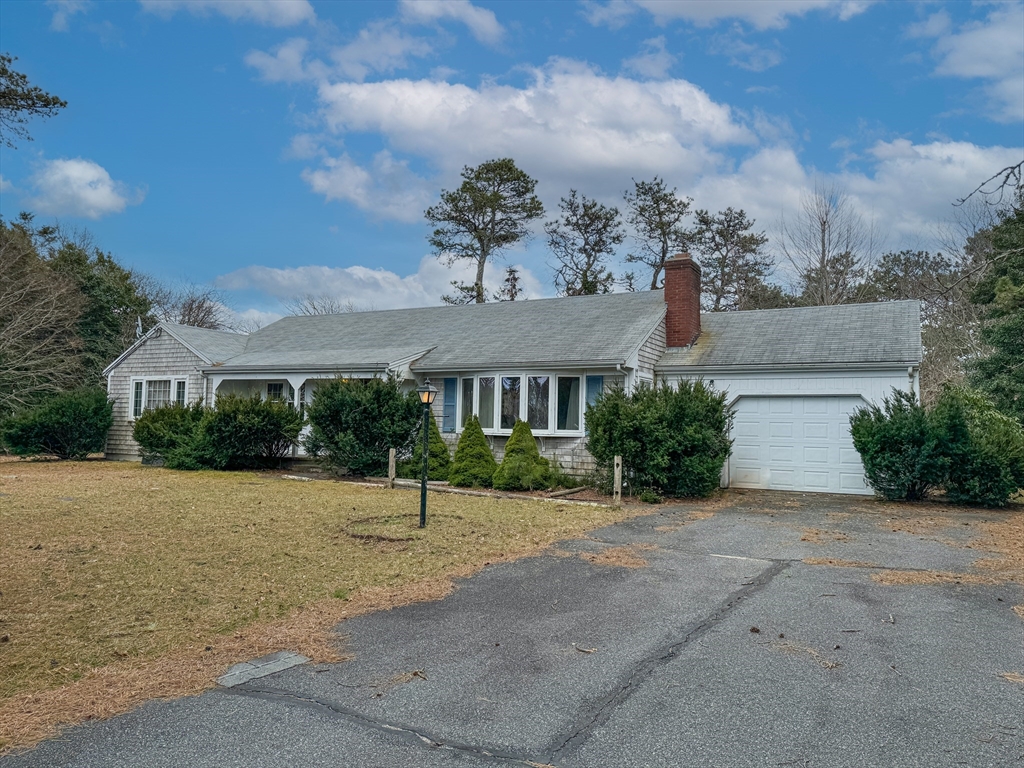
[566, 331]
[881, 332]
[217, 346]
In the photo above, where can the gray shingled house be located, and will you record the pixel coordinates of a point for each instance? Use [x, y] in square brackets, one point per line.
[793, 376]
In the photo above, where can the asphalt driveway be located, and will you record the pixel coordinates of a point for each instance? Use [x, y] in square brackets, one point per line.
[781, 630]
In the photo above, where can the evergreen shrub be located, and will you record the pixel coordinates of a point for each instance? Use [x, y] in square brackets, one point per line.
[355, 422]
[899, 446]
[673, 440]
[238, 433]
[70, 425]
[438, 458]
[522, 468]
[985, 448]
[474, 464]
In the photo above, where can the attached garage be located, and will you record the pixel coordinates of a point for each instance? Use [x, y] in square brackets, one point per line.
[792, 378]
[796, 444]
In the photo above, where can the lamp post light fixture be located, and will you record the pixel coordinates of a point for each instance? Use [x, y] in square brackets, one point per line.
[427, 394]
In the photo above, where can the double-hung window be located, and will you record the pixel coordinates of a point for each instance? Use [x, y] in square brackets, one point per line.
[148, 394]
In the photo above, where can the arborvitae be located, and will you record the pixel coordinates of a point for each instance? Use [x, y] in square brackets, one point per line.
[523, 468]
[474, 464]
[438, 458]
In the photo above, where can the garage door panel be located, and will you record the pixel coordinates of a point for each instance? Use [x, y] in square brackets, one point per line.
[796, 443]
[815, 455]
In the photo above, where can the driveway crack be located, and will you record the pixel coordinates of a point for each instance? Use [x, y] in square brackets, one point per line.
[410, 734]
[603, 708]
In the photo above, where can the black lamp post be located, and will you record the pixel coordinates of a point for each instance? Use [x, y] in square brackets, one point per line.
[427, 394]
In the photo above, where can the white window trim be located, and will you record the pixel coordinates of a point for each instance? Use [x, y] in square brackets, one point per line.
[553, 377]
[144, 380]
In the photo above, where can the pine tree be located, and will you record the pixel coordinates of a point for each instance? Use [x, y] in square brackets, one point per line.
[438, 458]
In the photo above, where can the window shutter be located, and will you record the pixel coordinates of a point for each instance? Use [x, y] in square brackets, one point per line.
[450, 393]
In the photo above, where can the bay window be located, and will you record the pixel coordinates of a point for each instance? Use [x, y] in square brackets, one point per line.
[550, 404]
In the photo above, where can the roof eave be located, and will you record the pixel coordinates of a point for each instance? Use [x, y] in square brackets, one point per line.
[748, 368]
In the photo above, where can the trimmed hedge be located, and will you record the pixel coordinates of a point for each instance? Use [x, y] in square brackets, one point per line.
[900, 447]
[522, 468]
[355, 422]
[438, 458]
[70, 425]
[239, 432]
[673, 440]
[474, 464]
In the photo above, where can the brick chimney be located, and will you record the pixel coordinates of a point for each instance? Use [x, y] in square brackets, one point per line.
[682, 299]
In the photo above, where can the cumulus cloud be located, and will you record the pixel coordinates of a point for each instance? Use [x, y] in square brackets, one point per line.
[745, 54]
[80, 187]
[380, 47]
[271, 13]
[482, 23]
[63, 10]
[573, 122]
[906, 189]
[286, 64]
[991, 50]
[653, 61]
[387, 189]
[761, 14]
[367, 287]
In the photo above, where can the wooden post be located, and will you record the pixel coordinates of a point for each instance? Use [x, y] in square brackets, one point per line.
[617, 492]
[391, 468]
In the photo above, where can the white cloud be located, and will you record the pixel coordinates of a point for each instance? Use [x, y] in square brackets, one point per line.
[654, 61]
[5, 185]
[580, 127]
[762, 14]
[380, 47]
[991, 50]
[80, 188]
[271, 13]
[388, 189]
[285, 65]
[482, 23]
[906, 189]
[743, 54]
[63, 11]
[366, 287]
[612, 14]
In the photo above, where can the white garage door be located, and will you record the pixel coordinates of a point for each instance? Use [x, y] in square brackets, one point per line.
[796, 444]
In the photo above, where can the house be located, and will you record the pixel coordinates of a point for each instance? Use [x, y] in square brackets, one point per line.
[793, 376]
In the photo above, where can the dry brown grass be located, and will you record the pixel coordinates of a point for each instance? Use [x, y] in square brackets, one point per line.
[818, 536]
[1013, 677]
[1019, 610]
[838, 563]
[117, 578]
[620, 557]
[799, 650]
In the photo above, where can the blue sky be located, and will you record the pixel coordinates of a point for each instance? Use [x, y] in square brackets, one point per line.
[278, 148]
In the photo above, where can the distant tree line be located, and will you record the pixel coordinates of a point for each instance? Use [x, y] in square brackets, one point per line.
[972, 295]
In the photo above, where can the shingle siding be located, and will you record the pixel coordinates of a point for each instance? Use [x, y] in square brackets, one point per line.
[159, 357]
[650, 353]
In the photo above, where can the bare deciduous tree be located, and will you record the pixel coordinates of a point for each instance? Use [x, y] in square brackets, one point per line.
[829, 245]
[188, 304]
[312, 304]
[39, 314]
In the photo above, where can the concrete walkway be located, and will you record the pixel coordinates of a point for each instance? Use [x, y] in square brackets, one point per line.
[725, 649]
